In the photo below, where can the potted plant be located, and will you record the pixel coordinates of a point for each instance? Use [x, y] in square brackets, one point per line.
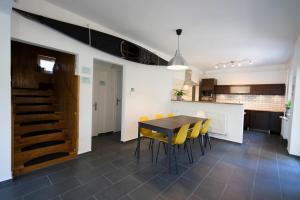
[288, 106]
[179, 94]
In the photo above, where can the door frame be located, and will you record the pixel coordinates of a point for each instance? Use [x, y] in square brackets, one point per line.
[123, 88]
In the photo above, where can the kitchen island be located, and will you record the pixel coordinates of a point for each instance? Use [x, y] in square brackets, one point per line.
[227, 118]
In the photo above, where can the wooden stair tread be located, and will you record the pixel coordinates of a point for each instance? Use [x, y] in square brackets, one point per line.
[37, 117]
[22, 157]
[26, 141]
[33, 108]
[19, 130]
[33, 100]
[21, 169]
[31, 92]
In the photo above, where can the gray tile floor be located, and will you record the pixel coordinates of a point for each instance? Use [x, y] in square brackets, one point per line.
[259, 169]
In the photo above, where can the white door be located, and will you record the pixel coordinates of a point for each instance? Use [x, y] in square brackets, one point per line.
[107, 94]
[99, 92]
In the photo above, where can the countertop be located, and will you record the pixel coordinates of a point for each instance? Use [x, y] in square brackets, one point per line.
[228, 104]
[208, 102]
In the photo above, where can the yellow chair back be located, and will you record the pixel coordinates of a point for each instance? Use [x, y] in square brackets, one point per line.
[196, 129]
[170, 115]
[144, 131]
[182, 134]
[205, 127]
[143, 118]
[159, 116]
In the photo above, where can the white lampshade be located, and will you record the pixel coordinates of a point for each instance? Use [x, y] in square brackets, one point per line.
[177, 62]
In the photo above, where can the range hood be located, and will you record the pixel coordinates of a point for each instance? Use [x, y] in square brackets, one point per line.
[188, 78]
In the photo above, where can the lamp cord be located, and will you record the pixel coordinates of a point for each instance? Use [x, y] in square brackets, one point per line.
[178, 44]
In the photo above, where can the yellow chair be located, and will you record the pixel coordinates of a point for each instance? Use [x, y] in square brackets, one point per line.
[159, 116]
[170, 115]
[146, 133]
[194, 134]
[204, 132]
[178, 139]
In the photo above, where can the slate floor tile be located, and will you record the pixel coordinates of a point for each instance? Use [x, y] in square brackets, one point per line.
[53, 190]
[119, 189]
[181, 189]
[210, 189]
[79, 193]
[97, 185]
[23, 189]
[237, 192]
[150, 190]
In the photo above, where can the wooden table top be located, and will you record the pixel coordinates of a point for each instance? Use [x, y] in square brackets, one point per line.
[172, 123]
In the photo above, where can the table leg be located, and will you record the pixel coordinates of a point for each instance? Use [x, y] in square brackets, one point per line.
[170, 136]
[139, 142]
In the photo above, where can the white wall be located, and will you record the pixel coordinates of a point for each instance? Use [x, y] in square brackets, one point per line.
[151, 95]
[232, 113]
[5, 91]
[154, 80]
[294, 95]
[252, 75]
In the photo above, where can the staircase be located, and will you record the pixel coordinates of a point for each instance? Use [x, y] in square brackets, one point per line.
[39, 131]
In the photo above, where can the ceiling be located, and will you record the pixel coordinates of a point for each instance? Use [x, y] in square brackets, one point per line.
[214, 31]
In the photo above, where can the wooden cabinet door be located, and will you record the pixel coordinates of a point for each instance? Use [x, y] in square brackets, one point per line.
[275, 122]
[259, 120]
[222, 89]
[247, 119]
[268, 89]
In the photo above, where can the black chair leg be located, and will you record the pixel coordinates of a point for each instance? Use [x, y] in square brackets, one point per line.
[205, 141]
[192, 157]
[201, 146]
[152, 151]
[150, 143]
[164, 145]
[208, 139]
[187, 151]
[176, 166]
[157, 152]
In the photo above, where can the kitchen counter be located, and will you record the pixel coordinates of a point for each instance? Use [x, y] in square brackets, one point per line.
[227, 118]
[208, 102]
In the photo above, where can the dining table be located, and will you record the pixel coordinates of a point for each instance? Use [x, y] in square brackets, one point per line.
[168, 126]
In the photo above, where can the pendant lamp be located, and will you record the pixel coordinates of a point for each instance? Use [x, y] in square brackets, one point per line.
[178, 62]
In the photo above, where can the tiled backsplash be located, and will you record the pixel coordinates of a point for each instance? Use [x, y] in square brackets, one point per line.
[256, 102]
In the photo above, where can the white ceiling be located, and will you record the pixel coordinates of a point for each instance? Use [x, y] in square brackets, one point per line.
[213, 30]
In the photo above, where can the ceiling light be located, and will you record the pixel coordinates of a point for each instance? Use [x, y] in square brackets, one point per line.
[234, 63]
[178, 62]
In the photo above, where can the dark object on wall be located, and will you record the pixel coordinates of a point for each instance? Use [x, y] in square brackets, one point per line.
[260, 89]
[263, 120]
[207, 89]
[99, 40]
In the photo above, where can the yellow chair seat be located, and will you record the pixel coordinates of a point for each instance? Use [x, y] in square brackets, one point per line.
[165, 139]
[150, 134]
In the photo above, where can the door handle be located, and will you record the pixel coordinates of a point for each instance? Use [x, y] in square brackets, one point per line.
[95, 105]
[118, 101]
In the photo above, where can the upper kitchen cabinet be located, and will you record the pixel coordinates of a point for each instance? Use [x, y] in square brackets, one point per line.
[261, 89]
[268, 89]
[207, 89]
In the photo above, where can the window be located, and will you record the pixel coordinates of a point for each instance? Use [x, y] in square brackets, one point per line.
[46, 64]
